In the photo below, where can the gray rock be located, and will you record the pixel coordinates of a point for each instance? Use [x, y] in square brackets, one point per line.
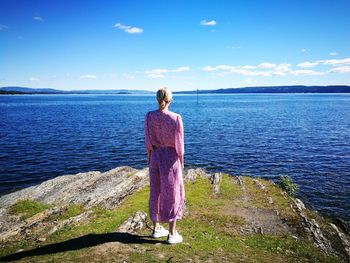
[260, 185]
[345, 242]
[191, 174]
[133, 223]
[313, 229]
[216, 181]
[270, 200]
[239, 180]
[91, 189]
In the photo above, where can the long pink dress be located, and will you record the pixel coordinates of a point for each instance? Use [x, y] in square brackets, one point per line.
[164, 137]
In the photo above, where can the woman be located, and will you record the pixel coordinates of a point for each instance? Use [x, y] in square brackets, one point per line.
[164, 139]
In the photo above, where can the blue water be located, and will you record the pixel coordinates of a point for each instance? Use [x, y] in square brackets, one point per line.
[306, 136]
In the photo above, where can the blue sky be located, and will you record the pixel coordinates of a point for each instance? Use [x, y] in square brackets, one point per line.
[184, 45]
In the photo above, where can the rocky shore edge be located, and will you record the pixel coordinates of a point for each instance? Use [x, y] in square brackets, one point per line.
[108, 190]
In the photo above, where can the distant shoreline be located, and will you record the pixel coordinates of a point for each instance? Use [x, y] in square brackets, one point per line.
[244, 90]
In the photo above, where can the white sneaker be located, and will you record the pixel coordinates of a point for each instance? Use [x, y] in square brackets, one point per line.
[177, 238]
[161, 232]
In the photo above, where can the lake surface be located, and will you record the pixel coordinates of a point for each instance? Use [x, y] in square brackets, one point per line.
[305, 136]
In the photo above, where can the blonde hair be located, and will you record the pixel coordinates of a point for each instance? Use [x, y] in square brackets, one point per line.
[164, 97]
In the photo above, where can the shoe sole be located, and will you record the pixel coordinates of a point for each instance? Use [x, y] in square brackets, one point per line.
[173, 243]
[158, 236]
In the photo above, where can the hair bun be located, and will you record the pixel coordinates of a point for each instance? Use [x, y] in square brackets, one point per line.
[163, 104]
[164, 97]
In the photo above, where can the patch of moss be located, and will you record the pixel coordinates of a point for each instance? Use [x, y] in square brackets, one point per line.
[27, 208]
[71, 211]
[132, 174]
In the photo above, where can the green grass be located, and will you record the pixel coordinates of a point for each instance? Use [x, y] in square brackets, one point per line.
[210, 233]
[27, 208]
[71, 211]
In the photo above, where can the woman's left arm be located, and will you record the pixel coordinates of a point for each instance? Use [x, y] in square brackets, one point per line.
[179, 141]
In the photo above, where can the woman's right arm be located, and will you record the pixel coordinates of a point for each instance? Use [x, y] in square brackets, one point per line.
[147, 139]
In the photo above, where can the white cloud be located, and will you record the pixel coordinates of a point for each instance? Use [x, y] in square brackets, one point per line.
[3, 27]
[305, 50]
[282, 69]
[240, 70]
[333, 53]
[266, 69]
[155, 76]
[245, 72]
[88, 77]
[159, 72]
[249, 67]
[306, 72]
[181, 69]
[134, 30]
[225, 67]
[308, 64]
[34, 79]
[208, 23]
[266, 65]
[344, 69]
[129, 29]
[209, 68]
[219, 67]
[336, 62]
[38, 18]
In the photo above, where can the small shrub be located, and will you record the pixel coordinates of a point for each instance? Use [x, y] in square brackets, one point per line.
[288, 186]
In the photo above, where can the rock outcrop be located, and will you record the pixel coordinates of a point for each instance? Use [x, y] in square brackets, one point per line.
[249, 207]
[90, 189]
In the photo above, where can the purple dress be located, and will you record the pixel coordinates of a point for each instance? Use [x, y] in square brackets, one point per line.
[164, 138]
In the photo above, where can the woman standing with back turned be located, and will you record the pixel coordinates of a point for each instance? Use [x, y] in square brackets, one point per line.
[164, 139]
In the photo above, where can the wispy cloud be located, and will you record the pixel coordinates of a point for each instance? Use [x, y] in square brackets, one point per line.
[305, 50]
[3, 27]
[34, 79]
[306, 72]
[245, 72]
[155, 76]
[250, 70]
[129, 29]
[267, 69]
[307, 64]
[282, 69]
[333, 53]
[208, 23]
[38, 18]
[160, 72]
[336, 62]
[344, 69]
[88, 77]
[266, 65]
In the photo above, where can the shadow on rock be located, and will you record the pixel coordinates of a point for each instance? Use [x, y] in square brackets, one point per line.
[82, 242]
